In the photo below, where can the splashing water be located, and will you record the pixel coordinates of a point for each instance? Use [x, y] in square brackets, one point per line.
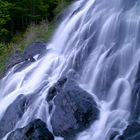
[100, 40]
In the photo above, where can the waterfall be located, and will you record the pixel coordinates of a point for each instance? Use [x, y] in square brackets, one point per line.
[100, 40]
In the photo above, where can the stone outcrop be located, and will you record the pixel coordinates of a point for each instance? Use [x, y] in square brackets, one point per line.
[75, 109]
[35, 130]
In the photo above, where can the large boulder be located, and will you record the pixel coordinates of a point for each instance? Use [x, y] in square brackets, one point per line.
[132, 132]
[13, 113]
[74, 109]
[35, 130]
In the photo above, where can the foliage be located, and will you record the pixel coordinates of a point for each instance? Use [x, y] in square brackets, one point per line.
[4, 18]
[33, 33]
[25, 21]
[17, 15]
[5, 52]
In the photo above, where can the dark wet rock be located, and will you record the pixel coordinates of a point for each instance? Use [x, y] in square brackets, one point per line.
[16, 58]
[12, 115]
[132, 132]
[72, 74]
[55, 89]
[135, 106]
[36, 48]
[21, 66]
[136, 102]
[113, 134]
[75, 109]
[60, 83]
[28, 56]
[51, 93]
[50, 107]
[35, 130]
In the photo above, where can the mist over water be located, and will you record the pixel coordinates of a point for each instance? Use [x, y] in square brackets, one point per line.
[100, 40]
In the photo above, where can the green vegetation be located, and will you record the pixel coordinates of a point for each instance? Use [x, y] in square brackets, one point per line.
[33, 33]
[17, 15]
[25, 21]
[4, 18]
[5, 52]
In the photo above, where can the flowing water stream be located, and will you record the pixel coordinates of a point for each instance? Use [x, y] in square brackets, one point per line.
[100, 40]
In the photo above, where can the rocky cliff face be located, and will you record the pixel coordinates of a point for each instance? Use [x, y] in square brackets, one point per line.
[30, 54]
[71, 108]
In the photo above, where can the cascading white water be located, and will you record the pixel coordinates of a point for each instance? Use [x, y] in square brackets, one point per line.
[99, 39]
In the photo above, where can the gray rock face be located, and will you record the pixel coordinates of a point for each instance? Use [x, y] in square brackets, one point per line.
[136, 102]
[75, 109]
[12, 115]
[16, 58]
[135, 106]
[35, 130]
[36, 48]
[132, 132]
